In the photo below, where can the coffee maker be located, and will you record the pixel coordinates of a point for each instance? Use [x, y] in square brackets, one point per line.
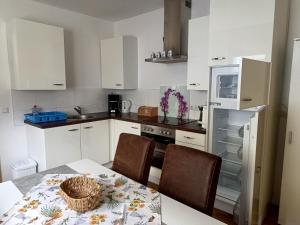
[114, 104]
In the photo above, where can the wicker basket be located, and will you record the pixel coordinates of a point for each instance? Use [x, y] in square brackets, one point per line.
[81, 193]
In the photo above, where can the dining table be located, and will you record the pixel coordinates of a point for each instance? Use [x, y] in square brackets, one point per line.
[171, 211]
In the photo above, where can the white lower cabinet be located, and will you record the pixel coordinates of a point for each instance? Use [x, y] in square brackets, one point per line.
[54, 146]
[95, 141]
[118, 127]
[57, 146]
[190, 139]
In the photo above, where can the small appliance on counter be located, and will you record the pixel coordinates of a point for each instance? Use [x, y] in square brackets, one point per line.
[114, 103]
[126, 106]
[148, 111]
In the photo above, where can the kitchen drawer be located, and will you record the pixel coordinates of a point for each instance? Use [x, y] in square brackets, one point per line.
[198, 147]
[190, 137]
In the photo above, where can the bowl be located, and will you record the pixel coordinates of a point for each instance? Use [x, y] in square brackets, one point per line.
[81, 193]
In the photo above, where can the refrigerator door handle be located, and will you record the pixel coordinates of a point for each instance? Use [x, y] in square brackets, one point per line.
[247, 99]
[290, 137]
[215, 103]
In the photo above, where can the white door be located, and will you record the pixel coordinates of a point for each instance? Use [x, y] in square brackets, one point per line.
[62, 145]
[39, 56]
[112, 63]
[253, 84]
[290, 189]
[95, 141]
[198, 70]
[123, 127]
[255, 199]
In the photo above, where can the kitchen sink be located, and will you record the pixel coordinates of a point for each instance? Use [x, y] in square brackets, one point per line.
[80, 117]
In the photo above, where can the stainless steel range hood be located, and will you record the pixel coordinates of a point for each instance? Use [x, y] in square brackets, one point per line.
[176, 17]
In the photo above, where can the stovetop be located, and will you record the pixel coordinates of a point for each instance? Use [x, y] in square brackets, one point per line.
[168, 121]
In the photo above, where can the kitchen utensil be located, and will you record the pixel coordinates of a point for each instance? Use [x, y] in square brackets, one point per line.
[126, 106]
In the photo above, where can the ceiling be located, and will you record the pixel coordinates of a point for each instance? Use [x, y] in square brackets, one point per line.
[112, 10]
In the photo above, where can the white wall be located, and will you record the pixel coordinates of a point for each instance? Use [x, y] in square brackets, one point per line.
[82, 45]
[12, 139]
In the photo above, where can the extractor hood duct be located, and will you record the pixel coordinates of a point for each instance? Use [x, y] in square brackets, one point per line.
[176, 17]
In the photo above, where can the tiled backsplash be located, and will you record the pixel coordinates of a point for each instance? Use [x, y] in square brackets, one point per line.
[91, 100]
[152, 98]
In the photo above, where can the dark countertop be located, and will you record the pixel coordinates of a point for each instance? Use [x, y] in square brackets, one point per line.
[191, 125]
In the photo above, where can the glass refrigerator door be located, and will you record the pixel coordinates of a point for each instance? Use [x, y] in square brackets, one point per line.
[224, 90]
[227, 142]
[227, 86]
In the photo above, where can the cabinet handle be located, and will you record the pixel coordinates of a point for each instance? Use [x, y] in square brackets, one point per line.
[73, 130]
[218, 58]
[247, 99]
[290, 137]
[215, 103]
[195, 84]
[118, 85]
[190, 138]
[136, 128]
[58, 84]
[88, 127]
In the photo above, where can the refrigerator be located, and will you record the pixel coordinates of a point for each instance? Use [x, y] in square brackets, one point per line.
[236, 135]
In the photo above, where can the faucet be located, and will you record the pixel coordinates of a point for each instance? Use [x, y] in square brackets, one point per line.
[78, 109]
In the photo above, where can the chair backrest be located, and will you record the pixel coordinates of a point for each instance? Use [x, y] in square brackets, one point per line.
[133, 157]
[9, 195]
[191, 177]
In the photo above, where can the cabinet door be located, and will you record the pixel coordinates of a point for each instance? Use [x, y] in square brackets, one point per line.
[190, 138]
[39, 57]
[290, 188]
[112, 63]
[253, 84]
[198, 74]
[123, 127]
[256, 200]
[198, 70]
[235, 32]
[95, 141]
[62, 145]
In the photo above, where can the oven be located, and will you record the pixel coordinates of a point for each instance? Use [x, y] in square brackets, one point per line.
[163, 137]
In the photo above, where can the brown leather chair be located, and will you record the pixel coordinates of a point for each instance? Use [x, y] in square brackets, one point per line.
[191, 177]
[133, 157]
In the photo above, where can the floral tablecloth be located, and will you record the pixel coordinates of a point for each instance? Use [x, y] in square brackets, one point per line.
[125, 202]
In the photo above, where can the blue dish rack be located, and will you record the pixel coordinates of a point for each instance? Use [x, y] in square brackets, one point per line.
[44, 117]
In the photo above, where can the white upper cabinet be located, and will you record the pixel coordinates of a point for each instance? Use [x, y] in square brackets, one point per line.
[198, 70]
[119, 63]
[240, 28]
[240, 86]
[38, 55]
